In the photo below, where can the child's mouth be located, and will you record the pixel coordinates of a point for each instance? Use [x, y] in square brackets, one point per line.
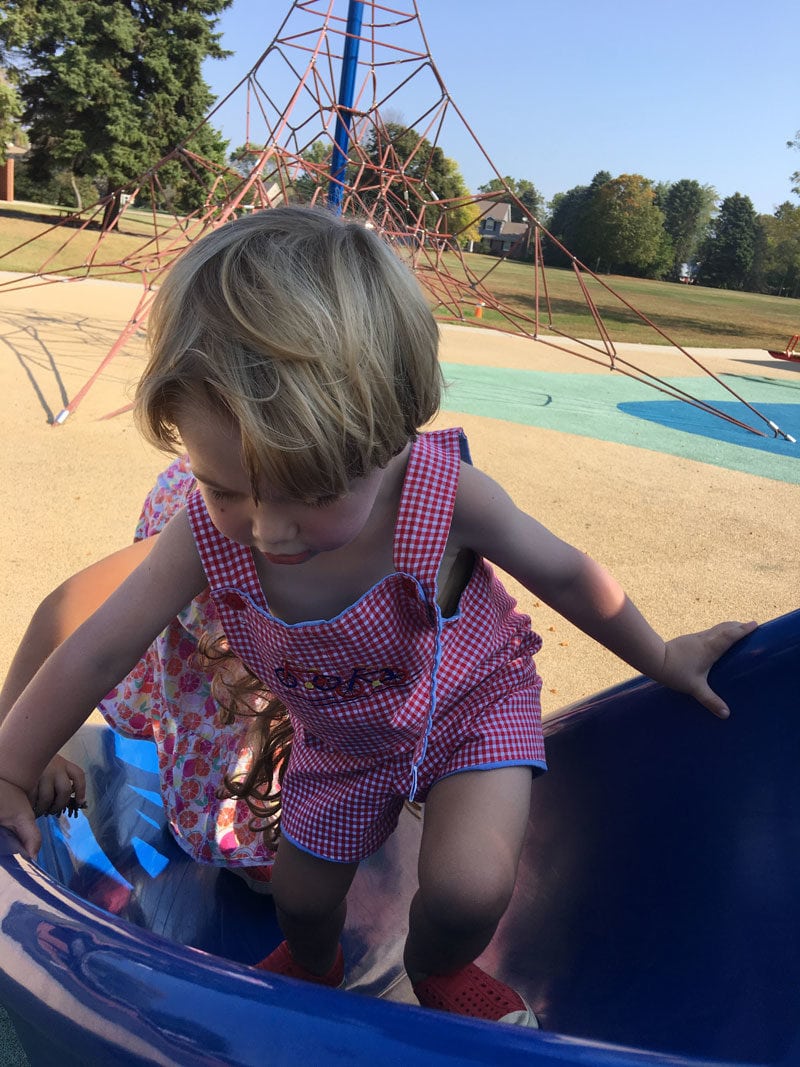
[298, 557]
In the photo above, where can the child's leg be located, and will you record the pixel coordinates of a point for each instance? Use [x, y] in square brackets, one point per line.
[310, 900]
[474, 827]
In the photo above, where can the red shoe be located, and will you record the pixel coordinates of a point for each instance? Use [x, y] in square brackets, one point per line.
[282, 962]
[471, 991]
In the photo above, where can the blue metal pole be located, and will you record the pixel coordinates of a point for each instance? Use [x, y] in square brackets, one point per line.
[355, 15]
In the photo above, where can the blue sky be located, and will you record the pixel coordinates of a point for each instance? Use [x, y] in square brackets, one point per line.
[556, 91]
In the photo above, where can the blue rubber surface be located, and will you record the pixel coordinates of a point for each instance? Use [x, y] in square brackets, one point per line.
[682, 416]
[654, 921]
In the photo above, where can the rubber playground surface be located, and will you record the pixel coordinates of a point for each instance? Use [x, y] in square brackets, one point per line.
[596, 407]
[554, 392]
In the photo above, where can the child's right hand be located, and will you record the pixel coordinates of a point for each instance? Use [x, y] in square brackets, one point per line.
[16, 815]
[688, 659]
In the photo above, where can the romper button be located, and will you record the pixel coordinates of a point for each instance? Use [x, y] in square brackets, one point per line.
[232, 600]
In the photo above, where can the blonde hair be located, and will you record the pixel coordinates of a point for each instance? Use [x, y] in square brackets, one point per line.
[309, 333]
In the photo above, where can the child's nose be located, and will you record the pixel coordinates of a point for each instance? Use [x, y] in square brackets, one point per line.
[272, 527]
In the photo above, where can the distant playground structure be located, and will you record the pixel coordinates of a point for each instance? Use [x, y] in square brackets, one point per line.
[790, 352]
[316, 113]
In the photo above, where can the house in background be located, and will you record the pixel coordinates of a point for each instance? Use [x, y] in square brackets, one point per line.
[499, 235]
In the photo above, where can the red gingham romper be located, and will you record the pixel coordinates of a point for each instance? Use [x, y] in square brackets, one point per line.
[388, 697]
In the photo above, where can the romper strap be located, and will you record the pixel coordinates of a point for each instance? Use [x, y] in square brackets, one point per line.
[225, 562]
[426, 506]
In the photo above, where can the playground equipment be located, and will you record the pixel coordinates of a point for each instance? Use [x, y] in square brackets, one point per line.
[655, 919]
[314, 118]
[790, 352]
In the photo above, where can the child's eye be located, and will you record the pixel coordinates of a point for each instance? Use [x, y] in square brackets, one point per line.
[218, 495]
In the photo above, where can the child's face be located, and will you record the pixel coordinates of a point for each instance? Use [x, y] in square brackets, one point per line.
[284, 531]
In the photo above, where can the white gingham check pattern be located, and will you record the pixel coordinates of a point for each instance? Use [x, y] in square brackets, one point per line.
[359, 686]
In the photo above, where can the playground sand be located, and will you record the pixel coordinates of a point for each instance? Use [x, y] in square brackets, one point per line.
[692, 543]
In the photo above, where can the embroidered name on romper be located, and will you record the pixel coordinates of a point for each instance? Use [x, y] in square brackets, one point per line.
[357, 682]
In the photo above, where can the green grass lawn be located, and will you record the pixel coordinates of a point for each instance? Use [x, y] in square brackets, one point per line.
[690, 314]
[31, 241]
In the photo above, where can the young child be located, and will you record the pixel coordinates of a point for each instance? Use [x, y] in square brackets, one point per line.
[294, 358]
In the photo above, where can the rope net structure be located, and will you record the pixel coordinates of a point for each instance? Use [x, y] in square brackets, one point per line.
[399, 119]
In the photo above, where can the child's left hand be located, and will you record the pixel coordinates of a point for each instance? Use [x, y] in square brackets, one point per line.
[688, 659]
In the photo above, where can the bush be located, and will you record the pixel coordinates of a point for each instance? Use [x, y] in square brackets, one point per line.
[57, 190]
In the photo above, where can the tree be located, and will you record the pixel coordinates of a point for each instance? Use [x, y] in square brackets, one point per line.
[309, 185]
[111, 86]
[63, 188]
[569, 214]
[432, 179]
[660, 191]
[625, 229]
[779, 271]
[728, 253]
[314, 182]
[467, 219]
[10, 114]
[687, 208]
[796, 176]
[525, 191]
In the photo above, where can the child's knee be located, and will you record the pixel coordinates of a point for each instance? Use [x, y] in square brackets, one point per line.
[307, 903]
[461, 903]
[310, 889]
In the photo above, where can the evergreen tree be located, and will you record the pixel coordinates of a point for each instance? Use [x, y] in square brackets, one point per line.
[111, 86]
[10, 114]
[569, 214]
[757, 275]
[660, 192]
[728, 253]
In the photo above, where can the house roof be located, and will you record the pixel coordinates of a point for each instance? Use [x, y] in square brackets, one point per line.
[490, 209]
[514, 229]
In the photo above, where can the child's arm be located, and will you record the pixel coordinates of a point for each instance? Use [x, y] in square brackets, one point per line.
[486, 520]
[60, 614]
[88, 664]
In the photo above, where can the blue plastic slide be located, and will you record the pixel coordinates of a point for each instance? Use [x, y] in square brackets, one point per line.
[655, 921]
